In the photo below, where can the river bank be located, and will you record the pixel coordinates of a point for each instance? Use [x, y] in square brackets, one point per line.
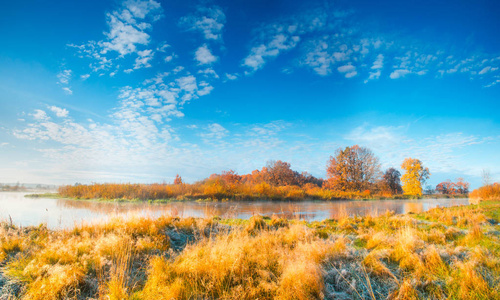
[253, 198]
[442, 253]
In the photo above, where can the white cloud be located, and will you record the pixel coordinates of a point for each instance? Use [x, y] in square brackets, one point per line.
[127, 33]
[279, 42]
[399, 73]
[187, 83]
[140, 8]
[92, 50]
[126, 28]
[346, 68]
[60, 112]
[209, 21]
[209, 72]
[484, 70]
[387, 135]
[349, 70]
[178, 69]
[282, 36]
[85, 76]
[143, 59]
[269, 129]
[231, 76]
[40, 115]
[205, 90]
[214, 131]
[377, 66]
[373, 75]
[351, 74]
[64, 77]
[378, 63]
[204, 56]
[67, 91]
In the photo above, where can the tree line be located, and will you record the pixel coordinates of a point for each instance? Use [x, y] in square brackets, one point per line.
[353, 172]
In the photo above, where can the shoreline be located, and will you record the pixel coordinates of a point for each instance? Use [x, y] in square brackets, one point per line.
[248, 199]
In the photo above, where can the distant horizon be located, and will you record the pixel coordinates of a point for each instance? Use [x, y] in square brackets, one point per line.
[141, 90]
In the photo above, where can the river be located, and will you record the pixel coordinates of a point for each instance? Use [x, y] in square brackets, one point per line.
[64, 213]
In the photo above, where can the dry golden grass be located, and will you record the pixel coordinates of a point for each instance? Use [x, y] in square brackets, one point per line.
[211, 188]
[390, 256]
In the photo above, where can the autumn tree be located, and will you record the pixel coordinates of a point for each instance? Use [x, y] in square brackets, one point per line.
[352, 169]
[304, 178]
[253, 178]
[415, 176]
[178, 179]
[446, 187]
[279, 173]
[392, 180]
[460, 186]
[230, 177]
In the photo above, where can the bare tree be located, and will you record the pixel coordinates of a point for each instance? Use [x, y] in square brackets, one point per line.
[485, 174]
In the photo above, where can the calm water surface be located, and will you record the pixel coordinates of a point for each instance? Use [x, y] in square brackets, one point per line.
[63, 213]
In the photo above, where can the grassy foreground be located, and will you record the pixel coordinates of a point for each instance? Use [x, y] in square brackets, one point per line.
[449, 253]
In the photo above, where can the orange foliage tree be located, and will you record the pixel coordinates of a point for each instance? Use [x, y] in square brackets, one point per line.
[279, 173]
[353, 169]
[178, 179]
[448, 187]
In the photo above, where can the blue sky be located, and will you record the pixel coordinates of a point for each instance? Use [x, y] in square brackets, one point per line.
[142, 90]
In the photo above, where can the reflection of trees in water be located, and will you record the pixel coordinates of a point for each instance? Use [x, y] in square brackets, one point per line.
[373, 208]
[307, 210]
[106, 207]
[414, 207]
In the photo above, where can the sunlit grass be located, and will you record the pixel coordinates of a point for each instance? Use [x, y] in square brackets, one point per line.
[434, 255]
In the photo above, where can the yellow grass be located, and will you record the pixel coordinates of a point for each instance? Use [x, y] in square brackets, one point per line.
[391, 256]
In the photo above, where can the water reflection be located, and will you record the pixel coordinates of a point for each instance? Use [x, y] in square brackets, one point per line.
[57, 213]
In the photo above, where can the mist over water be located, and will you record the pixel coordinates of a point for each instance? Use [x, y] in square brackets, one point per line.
[64, 213]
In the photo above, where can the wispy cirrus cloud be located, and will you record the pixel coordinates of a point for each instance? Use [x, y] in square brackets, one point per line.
[442, 153]
[209, 21]
[63, 80]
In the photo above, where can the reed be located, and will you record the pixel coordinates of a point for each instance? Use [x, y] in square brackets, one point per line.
[375, 257]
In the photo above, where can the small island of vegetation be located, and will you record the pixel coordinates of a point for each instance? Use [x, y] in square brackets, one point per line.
[352, 173]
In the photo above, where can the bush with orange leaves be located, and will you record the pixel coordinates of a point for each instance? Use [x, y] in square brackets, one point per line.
[487, 192]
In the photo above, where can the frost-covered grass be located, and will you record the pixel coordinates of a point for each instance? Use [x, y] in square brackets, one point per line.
[451, 253]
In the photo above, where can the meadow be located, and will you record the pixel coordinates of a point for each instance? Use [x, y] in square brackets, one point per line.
[444, 253]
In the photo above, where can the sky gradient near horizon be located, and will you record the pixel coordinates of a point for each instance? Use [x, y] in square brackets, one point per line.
[142, 90]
